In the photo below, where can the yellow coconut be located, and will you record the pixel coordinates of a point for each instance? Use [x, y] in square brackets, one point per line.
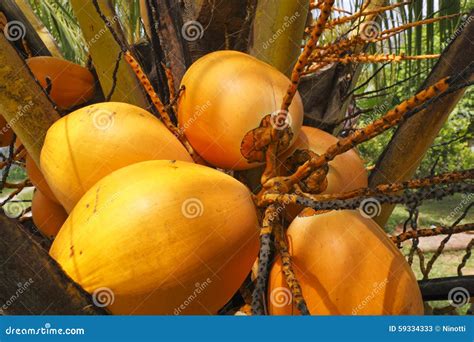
[165, 237]
[90, 143]
[346, 265]
[227, 95]
[48, 216]
[346, 172]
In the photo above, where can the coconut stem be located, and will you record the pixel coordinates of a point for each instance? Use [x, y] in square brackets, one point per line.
[374, 201]
[412, 234]
[258, 295]
[364, 58]
[287, 268]
[392, 188]
[344, 45]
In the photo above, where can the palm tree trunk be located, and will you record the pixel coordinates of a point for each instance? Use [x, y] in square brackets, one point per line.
[32, 282]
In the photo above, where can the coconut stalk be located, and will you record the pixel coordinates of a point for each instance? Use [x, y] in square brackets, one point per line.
[105, 52]
[23, 103]
[277, 32]
[324, 93]
[413, 137]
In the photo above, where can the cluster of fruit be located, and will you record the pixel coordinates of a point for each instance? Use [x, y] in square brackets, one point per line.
[131, 212]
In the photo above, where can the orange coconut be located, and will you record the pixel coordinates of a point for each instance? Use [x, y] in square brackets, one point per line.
[346, 172]
[163, 237]
[37, 178]
[48, 216]
[88, 144]
[346, 265]
[227, 94]
[6, 133]
[71, 84]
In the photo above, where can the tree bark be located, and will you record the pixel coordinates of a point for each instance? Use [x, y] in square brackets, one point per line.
[413, 137]
[23, 103]
[32, 283]
[170, 22]
[224, 25]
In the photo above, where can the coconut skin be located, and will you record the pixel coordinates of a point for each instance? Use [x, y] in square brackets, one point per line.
[37, 179]
[6, 133]
[86, 145]
[346, 265]
[227, 94]
[71, 84]
[48, 216]
[172, 230]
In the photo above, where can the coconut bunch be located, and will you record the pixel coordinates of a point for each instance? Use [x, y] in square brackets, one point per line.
[130, 209]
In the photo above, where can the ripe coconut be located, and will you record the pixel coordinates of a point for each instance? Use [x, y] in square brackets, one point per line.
[163, 237]
[69, 84]
[90, 143]
[6, 133]
[37, 178]
[346, 265]
[48, 216]
[346, 171]
[227, 95]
